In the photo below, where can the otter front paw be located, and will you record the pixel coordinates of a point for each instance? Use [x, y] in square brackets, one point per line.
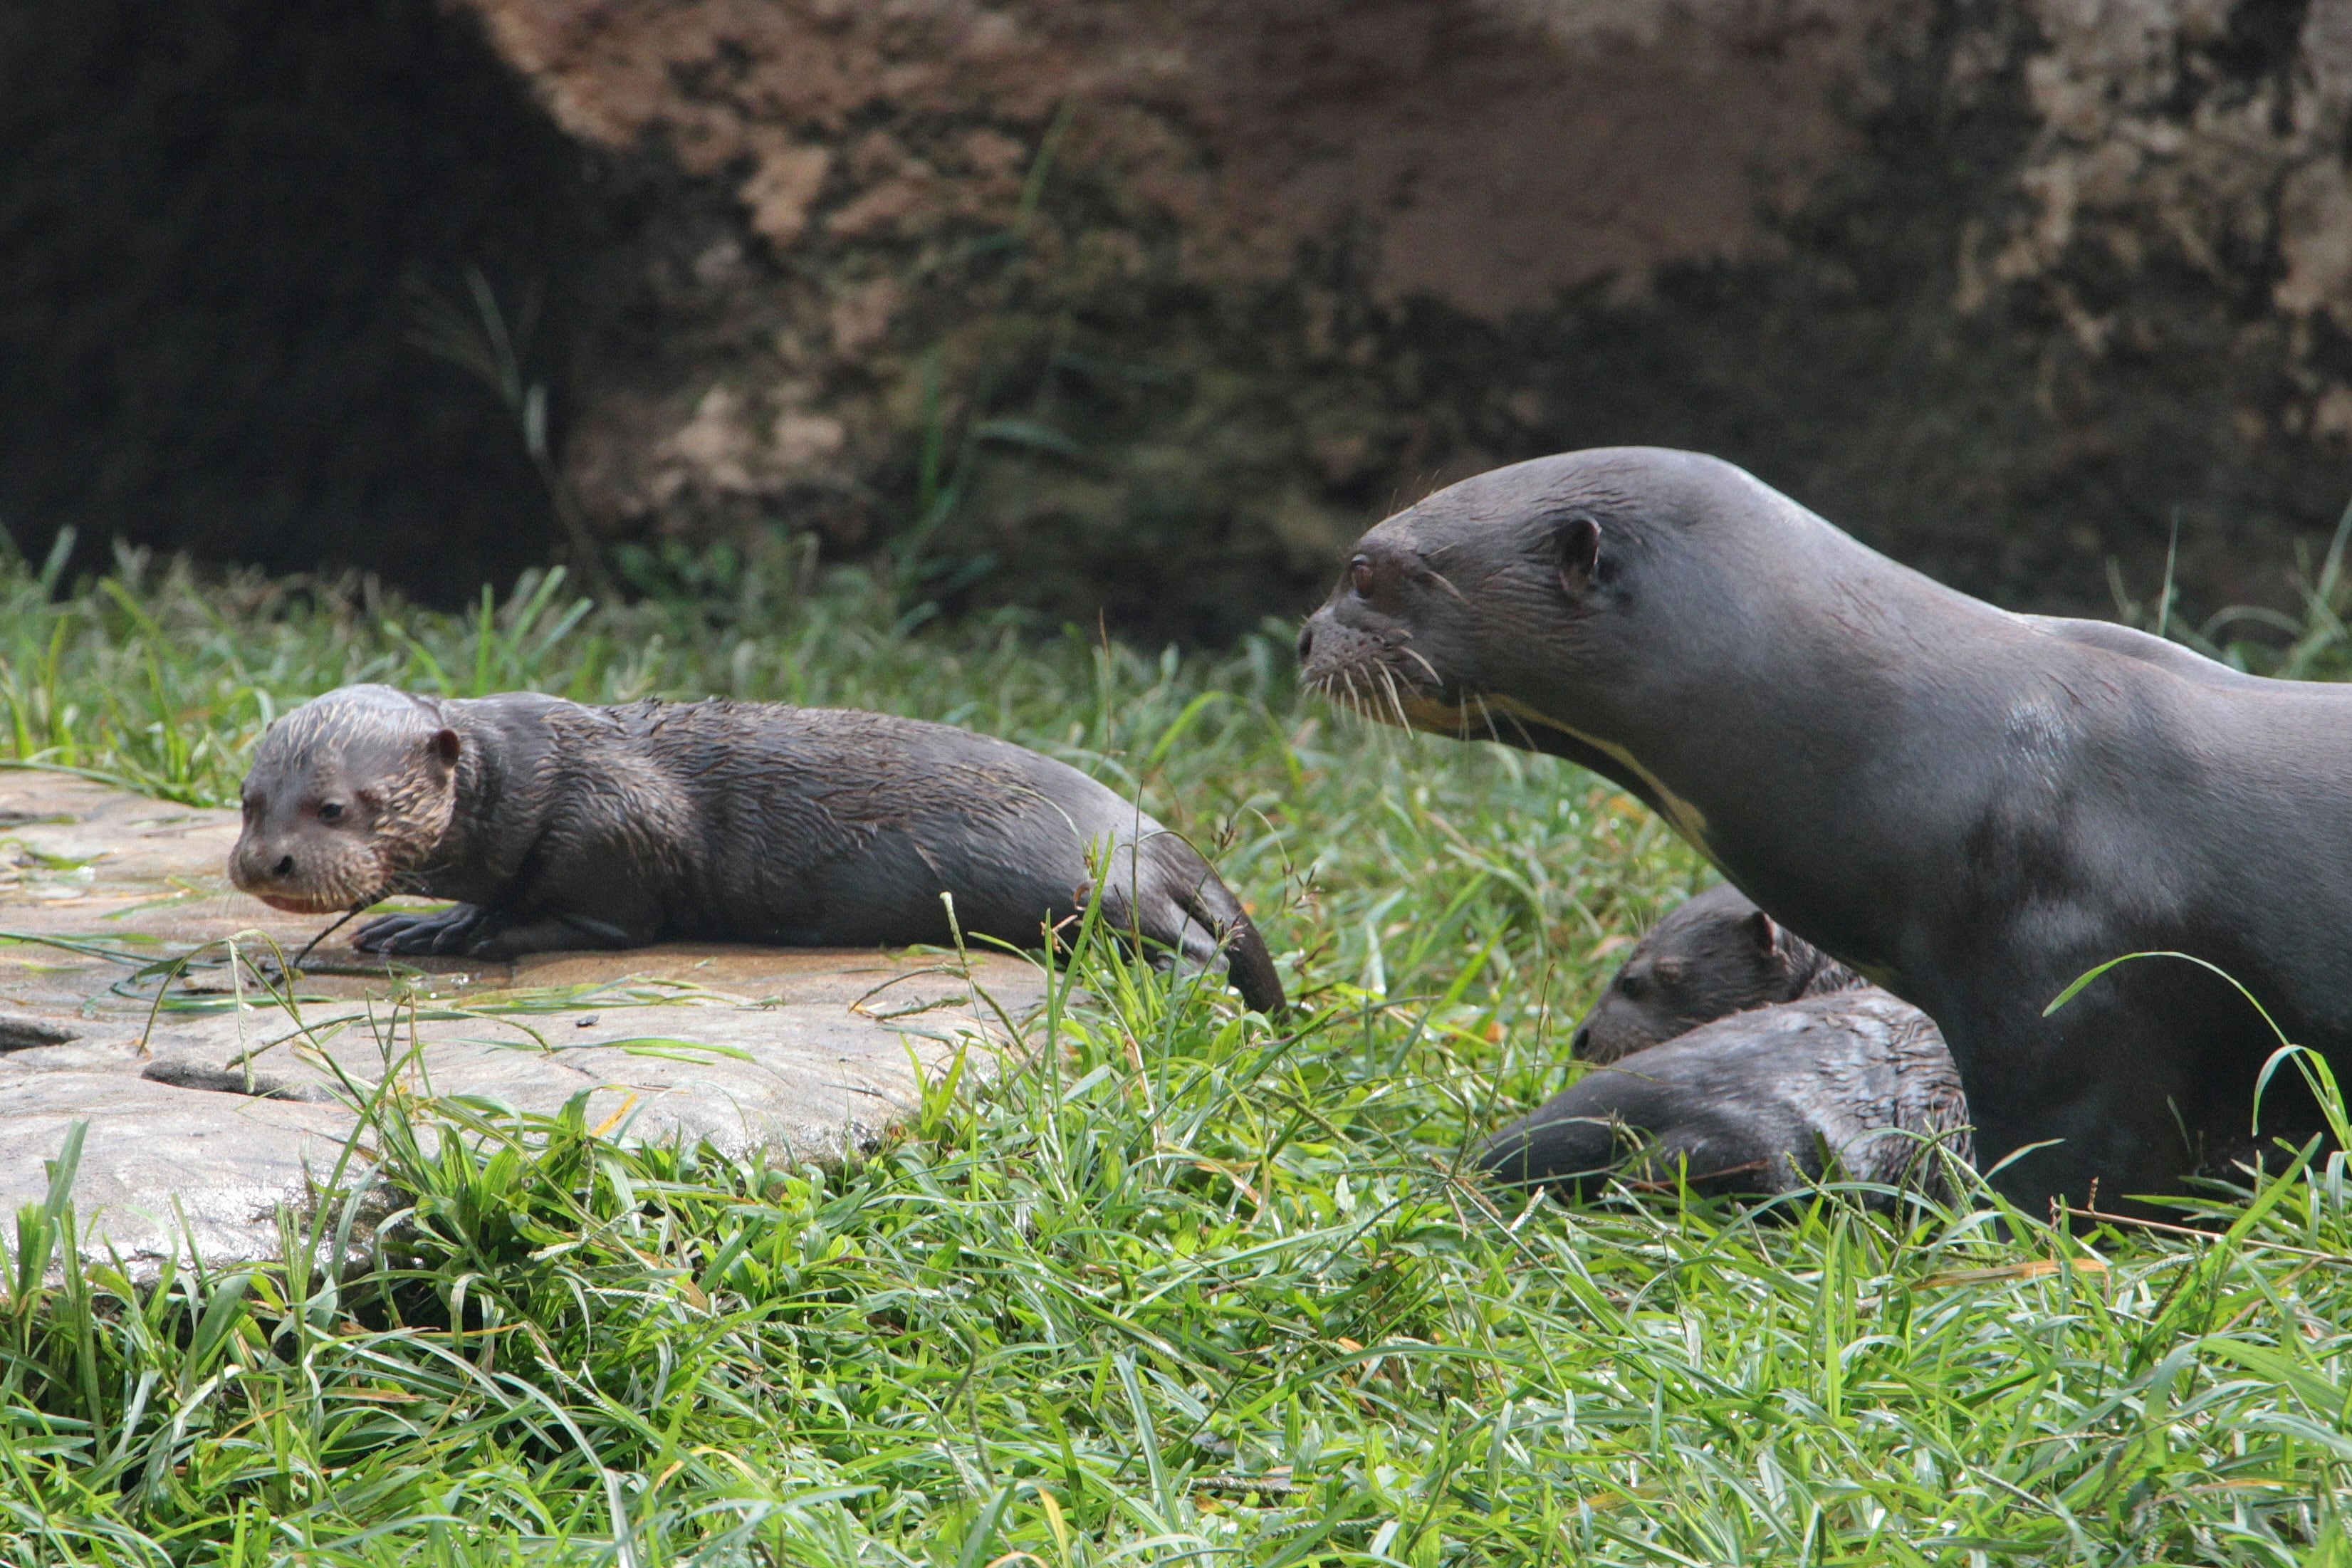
[513, 938]
[453, 930]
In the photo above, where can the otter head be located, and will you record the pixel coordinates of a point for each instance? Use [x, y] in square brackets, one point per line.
[1582, 605]
[1547, 605]
[1715, 955]
[348, 794]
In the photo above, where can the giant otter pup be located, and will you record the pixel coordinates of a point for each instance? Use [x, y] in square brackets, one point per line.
[1970, 806]
[1758, 1104]
[1713, 955]
[559, 826]
[1769, 1056]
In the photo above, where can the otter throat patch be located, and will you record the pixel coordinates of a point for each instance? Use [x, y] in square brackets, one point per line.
[1687, 820]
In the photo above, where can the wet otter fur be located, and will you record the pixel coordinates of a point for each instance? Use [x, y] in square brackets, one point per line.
[554, 825]
[1809, 1061]
[1851, 1084]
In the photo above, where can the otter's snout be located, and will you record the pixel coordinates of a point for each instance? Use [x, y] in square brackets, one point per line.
[251, 868]
[269, 872]
[273, 866]
[1327, 648]
[259, 870]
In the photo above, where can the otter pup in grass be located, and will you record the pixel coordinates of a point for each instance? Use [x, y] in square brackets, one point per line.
[1747, 1061]
[1715, 953]
[554, 825]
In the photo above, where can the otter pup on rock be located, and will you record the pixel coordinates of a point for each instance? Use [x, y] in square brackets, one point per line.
[559, 826]
[1971, 807]
[1760, 1058]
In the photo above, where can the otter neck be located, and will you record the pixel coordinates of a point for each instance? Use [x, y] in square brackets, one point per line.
[1812, 972]
[481, 851]
[1858, 655]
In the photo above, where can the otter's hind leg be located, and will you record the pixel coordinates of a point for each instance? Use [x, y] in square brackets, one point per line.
[1166, 894]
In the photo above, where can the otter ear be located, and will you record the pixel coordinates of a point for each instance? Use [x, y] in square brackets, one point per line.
[1579, 542]
[1763, 931]
[444, 747]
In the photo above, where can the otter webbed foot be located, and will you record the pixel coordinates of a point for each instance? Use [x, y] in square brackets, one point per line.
[444, 930]
[474, 932]
[1173, 939]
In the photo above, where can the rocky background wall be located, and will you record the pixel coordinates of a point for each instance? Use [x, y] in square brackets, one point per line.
[1148, 309]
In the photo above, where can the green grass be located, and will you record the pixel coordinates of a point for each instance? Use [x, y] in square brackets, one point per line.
[1189, 1288]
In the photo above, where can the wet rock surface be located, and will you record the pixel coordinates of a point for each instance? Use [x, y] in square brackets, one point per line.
[214, 1102]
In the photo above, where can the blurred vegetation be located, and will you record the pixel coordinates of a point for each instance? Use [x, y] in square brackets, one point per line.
[1189, 1287]
[2314, 645]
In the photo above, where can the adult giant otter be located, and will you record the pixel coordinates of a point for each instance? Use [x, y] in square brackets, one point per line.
[1970, 806]
[560, 826]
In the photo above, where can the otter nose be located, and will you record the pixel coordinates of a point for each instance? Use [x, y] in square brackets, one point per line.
[1579, 1039]
[284, 866]
[1306, 641]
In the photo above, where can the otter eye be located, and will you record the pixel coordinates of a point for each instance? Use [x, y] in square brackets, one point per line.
[1631, 984]
[331, 812]
[1360, 577]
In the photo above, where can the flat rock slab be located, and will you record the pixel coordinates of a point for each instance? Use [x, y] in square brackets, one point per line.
[213, 1103]
[166, 1172]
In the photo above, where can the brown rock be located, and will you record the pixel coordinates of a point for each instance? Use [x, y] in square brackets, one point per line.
[1983, 280]
[1533, 166]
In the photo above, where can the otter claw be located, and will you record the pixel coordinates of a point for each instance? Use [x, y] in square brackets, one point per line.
[443, 931]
